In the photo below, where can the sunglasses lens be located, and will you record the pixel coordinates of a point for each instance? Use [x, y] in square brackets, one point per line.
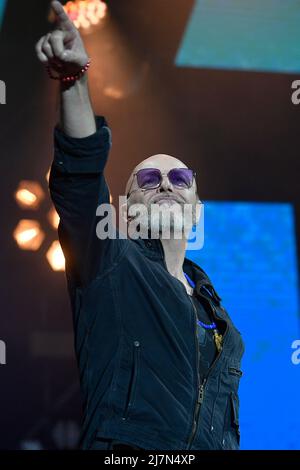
[148, 178]
[181, 177]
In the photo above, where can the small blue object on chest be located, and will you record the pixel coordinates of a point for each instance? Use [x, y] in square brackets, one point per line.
[212, 326]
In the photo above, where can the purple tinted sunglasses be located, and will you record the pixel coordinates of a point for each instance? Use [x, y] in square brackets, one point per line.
[151, 178]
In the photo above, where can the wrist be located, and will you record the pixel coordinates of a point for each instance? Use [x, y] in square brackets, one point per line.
[81, 83]
[70, 78]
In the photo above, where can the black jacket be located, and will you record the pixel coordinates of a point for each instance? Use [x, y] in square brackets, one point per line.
[134, 324]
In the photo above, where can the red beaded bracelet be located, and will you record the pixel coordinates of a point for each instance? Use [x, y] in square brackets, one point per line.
[69, 78]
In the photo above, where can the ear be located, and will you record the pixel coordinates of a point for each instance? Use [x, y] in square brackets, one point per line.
[128, 184]
[197, 212]
[124, 211]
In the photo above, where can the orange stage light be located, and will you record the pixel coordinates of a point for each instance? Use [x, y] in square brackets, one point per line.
[113, 92]
[28, 235]
[85, 13]
[29, 194]
[56, 257]
[53, 218]
[48, 175]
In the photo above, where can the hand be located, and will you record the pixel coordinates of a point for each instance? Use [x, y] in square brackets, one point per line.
[62, 48]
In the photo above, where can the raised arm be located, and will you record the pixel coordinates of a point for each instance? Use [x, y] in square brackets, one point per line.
[81, 146]
[63, 50]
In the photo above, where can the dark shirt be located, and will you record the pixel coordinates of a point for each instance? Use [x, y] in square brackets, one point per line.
[208, 350]
[207, 345]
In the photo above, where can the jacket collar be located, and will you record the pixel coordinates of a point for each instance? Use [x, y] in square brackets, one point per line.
[153, 248]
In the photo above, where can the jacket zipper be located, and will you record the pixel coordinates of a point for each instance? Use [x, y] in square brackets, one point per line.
[201, 386]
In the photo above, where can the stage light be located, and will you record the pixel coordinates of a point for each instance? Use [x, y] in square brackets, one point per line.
[53, 218]
[85, 13]
[28, 235]
[48, 175]
[56, 257]
[113, 92]
[29, 194]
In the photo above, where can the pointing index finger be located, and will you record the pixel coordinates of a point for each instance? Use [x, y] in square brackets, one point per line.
[63, 20]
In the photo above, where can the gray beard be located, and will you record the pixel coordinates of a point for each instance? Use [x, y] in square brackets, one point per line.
[165, 224]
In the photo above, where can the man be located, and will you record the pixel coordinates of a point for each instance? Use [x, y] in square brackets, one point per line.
[159, 357]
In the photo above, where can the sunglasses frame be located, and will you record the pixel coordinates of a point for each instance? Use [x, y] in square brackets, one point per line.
[161, 178]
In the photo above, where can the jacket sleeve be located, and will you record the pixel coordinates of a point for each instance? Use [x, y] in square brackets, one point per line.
[77, 187]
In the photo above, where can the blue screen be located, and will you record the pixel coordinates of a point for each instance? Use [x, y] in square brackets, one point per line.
[250, 255]
[2, 7]
[261, 35]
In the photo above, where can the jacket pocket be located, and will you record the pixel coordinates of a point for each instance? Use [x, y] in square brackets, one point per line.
[231, 432]
[234, 371]
[133, 380]
[235, 414]
[235, 408]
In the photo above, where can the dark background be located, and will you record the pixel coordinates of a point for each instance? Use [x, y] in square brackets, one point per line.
[238, 130]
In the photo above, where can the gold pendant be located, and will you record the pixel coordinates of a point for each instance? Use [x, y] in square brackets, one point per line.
[218, 340]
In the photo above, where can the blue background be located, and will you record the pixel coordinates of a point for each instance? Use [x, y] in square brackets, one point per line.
[255, 35]
[249, 253]
[2, 7]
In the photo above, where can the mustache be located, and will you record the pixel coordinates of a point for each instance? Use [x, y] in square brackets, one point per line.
[166, 196]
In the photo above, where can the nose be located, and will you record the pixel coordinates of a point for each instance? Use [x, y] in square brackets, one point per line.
[165, 184]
